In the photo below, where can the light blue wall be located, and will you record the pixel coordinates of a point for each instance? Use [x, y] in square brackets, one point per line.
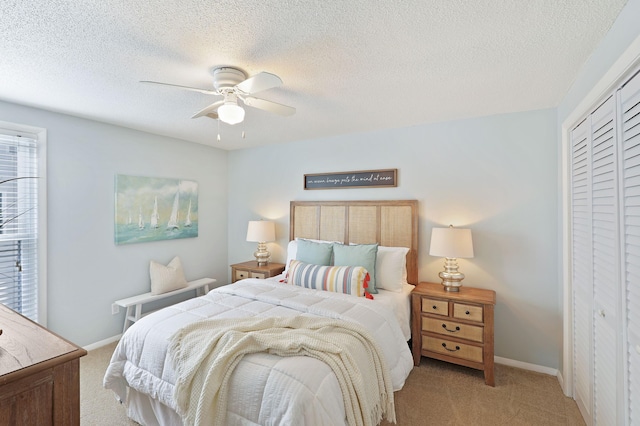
[87, 272]
[621, 34]
[496, 175]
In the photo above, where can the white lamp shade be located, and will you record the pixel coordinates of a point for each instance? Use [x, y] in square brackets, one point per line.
[261, 231]
[231, 113]
[451, 242]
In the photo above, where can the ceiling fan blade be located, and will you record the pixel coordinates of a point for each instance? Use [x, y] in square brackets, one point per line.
[211, 109]
[259, 82]
[194, 89]
[269, 106]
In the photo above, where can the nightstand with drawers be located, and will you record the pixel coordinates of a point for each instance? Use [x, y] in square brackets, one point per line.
[240, 271]
[456, 327]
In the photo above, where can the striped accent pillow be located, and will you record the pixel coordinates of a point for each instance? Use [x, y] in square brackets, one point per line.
[340, 279]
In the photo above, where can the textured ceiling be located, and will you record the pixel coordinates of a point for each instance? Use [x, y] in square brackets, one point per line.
[347, 66]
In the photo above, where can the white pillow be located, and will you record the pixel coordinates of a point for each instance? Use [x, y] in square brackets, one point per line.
[292, 251]
[166, 278]
[391, 268]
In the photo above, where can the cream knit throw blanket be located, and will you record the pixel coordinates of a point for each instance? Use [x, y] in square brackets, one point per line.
[205, 353]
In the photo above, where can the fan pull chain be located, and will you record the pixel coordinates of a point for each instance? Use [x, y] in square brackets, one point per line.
[218, 130]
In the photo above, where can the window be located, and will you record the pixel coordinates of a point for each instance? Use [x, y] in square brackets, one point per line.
[19, 181]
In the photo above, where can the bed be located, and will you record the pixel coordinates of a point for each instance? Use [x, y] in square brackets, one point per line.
[265, 388]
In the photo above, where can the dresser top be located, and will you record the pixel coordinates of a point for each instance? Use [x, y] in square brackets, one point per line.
[24, 343]
[468, 294]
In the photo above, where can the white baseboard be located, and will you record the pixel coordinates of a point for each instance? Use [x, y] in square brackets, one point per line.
[565, 391]
[526, 366]
[102, 343]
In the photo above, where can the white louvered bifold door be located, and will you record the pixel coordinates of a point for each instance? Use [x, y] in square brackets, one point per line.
[605, 265]
[606, 270]
[581, 268]
[629, 100]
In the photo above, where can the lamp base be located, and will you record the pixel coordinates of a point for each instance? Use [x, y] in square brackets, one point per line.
[262, 255]
[451, 277]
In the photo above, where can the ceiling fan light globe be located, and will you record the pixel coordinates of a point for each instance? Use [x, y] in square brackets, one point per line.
[231, 113]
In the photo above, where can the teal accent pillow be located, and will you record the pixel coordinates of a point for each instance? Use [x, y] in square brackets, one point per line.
[358, 255]
[314, 253]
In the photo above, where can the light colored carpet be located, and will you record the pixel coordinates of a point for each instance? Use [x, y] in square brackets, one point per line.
[98, 406]
[436, 393]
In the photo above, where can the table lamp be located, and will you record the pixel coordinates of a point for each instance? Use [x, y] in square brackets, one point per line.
[451, 243]
[261, 231]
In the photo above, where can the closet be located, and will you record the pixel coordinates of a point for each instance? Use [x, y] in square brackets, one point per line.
[605, 258]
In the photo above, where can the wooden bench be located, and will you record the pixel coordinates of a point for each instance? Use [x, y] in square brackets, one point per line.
[134, 303]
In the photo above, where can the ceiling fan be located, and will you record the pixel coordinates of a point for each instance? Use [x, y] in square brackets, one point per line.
[233, 85]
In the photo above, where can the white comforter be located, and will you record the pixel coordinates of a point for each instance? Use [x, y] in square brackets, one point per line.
[264, 389]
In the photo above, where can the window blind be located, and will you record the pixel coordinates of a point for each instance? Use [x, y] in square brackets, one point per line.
[19, 222]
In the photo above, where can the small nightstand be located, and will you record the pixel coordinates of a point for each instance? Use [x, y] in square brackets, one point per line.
[456, 327]
[240, 271]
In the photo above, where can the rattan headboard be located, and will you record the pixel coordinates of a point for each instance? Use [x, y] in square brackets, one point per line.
[392, 223]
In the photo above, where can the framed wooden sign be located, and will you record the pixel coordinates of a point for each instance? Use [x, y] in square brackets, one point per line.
[357, 179]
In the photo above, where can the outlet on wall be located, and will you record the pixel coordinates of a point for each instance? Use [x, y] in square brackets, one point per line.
[115, 309]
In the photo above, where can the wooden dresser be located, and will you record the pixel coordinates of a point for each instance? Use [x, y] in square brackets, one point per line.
[456, 327]
[39, 374]
[240, 271]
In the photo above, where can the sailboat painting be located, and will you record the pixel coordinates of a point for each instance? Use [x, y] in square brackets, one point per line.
[167, 209]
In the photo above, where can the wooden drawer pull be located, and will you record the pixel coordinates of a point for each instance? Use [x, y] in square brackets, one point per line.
[444, 345]
[450, 331]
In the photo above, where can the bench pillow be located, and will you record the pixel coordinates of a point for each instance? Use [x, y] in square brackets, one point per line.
[352, 280]
[167, 278]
